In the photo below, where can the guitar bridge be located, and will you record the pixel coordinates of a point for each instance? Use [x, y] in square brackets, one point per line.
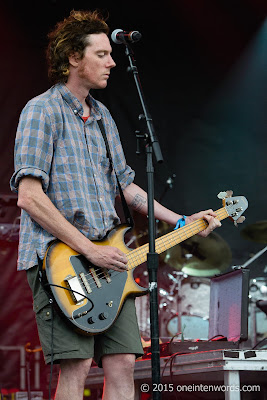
[76, 292]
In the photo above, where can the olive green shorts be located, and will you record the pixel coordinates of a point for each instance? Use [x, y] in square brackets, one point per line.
[122, 337]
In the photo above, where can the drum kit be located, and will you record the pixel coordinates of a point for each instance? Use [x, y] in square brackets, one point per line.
[184, 285]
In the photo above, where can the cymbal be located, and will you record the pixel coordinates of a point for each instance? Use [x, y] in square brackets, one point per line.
[199, 256]
[256, 232]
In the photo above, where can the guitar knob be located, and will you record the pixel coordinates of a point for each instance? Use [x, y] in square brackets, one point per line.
[91, 320]
[103, 315]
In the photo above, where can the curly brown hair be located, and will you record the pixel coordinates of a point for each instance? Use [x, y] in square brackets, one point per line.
[69, 36]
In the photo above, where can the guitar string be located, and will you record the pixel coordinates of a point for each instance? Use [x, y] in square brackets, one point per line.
[102, 274]
[143, 250]
[132, 257]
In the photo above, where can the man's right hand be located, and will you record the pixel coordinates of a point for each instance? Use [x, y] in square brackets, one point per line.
[107, 257]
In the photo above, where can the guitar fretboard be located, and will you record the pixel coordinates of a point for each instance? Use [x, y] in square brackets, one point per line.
[139, 255]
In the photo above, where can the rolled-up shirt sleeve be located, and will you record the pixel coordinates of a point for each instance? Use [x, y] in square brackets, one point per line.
[33, 152]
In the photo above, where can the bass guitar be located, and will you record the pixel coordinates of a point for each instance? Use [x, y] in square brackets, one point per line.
[91, 297]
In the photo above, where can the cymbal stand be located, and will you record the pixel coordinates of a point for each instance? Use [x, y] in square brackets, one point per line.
[254, 257]
[180, 276]
[253, 322]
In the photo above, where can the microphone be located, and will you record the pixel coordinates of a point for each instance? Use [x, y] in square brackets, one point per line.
[119, 36]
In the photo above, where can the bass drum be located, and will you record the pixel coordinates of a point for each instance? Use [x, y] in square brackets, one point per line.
[195, 297]
[193, 327]
[194, 308]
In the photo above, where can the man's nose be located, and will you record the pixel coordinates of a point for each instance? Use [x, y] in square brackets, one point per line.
[111, 63]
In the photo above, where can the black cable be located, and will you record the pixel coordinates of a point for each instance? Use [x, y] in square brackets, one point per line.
[73, 291]
[52, 325]
[52, 349]
[258, 345]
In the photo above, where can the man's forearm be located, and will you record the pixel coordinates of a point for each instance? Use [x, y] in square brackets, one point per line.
[37, 204]
[137, 199]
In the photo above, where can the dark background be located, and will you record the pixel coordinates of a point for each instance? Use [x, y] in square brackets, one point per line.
[203, 68]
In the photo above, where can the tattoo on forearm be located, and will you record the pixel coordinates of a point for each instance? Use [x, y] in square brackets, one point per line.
[138, 202]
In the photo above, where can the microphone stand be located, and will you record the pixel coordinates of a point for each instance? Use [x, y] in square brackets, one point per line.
[152, 145]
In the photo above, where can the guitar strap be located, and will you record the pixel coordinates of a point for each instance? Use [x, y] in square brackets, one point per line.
[127, 214]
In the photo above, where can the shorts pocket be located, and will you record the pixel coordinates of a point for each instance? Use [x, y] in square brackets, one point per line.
[54, 331]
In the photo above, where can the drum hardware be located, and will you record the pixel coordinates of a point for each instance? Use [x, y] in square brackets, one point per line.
[262, 305]
[176, 288]
[254, 257]
[256, 232]
[257, 318]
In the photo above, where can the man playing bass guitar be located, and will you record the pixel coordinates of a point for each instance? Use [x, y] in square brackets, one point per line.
[67, 190]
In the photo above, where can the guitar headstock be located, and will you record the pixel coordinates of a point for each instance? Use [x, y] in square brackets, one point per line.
[235, 206]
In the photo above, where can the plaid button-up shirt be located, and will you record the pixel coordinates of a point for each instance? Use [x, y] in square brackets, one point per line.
[54, 144]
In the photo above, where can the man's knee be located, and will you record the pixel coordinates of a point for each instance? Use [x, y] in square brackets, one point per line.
[76, 367]
[118, 365]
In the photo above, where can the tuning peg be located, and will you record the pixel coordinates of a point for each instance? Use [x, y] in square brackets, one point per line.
[240, 220]
[222, 195]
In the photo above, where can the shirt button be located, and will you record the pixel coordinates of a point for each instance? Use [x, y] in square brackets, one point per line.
[75, 111]
[100, 198]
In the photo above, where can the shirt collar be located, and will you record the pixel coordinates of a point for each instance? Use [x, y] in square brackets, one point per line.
[76, 105]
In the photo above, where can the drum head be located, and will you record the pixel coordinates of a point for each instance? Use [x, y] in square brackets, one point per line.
[193, 327]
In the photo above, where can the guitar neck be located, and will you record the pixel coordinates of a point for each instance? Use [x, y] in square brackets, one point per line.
[163, 243]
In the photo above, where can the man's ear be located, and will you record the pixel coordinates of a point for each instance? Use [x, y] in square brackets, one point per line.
[74, 59]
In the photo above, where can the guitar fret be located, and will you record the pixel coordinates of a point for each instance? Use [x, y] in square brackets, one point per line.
[139, 255]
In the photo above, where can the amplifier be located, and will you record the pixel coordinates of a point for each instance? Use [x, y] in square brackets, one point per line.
[189, 346]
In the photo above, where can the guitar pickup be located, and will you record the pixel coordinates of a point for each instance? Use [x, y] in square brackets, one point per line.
[74, 285]
[96, 279]
[85, 282]
[107, 276]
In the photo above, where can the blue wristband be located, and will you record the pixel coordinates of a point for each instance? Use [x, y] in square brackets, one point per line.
[180, 222]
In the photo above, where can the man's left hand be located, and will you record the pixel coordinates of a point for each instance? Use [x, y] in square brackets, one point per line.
[209, 216]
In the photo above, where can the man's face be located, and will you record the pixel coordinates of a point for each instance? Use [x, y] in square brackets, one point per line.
[94, 68]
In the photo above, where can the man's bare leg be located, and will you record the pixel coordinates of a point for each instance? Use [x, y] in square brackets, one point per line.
[119, 376]
[72, 377]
